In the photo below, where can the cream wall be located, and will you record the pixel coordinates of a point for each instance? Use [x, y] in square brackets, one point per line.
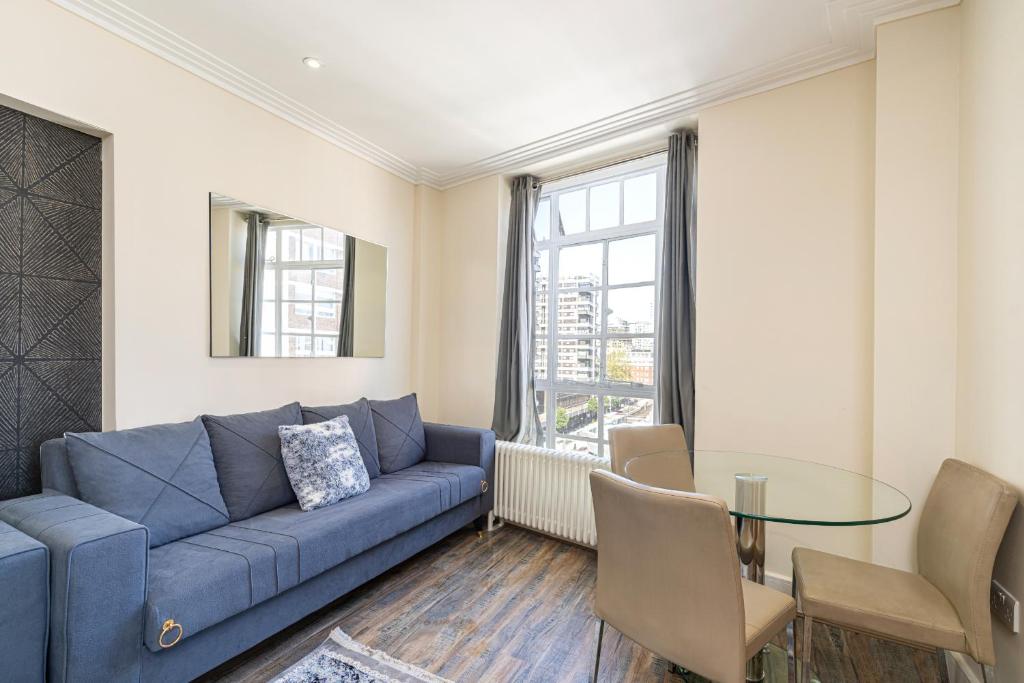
[426, 297]
[174, 138]
[471, 217]
[916, 125]
[785, 283]
[990, 360]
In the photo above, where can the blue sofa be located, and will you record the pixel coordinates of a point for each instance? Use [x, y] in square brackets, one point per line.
[25, 609]
[116, 603]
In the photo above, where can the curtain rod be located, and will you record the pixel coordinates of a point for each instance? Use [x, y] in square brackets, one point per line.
[607, 164]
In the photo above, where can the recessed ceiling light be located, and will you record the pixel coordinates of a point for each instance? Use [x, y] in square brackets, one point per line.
[312, 62]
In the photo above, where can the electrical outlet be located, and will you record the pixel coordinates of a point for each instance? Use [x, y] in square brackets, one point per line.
[1005, 606]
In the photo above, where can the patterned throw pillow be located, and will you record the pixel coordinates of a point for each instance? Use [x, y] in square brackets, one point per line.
[323, 462]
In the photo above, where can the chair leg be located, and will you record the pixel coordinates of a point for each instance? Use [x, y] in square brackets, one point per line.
[805, 650]
[988, 673]
[791, 651]
[943, 665]
[597, 657]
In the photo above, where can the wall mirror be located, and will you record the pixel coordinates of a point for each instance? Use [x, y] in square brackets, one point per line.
[281, 287]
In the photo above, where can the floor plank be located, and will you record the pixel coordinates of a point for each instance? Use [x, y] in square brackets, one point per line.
[516, 606]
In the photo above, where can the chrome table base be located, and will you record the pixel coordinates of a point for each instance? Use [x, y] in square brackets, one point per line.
[751, 490]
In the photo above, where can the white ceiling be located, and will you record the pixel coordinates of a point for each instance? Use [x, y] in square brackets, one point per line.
[442, 91]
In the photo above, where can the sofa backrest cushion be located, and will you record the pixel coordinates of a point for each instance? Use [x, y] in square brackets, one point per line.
[361, 422]
[247, 454]
[401, 441]
[161, 476]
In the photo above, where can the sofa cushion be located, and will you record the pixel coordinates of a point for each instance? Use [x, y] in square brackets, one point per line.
[161, 476]
[401, 442]
[455, 484]
[361, 421]
[202, 580]
[328, 536]
[247, 453]
[323, 462]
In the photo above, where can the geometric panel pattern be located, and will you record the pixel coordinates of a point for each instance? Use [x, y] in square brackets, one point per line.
[50, 298]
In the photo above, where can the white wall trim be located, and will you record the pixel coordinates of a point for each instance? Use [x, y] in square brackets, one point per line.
[851, 27]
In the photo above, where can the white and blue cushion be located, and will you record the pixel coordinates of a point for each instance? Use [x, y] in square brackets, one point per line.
[323, 462]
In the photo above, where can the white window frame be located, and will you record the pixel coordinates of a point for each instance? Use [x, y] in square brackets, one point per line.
[602, 388]
[277, 266]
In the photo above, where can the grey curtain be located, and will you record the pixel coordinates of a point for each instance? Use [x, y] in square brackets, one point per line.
[346, 331]
[514, 406]
[252, 286]
[676, 334]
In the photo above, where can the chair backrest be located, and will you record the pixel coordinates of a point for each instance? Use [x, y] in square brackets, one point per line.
[962, 525]
[667, 575]
[631, 441]
[663, 470]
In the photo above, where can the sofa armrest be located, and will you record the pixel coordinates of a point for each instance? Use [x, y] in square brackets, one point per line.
[25, 615]
[98, 565]
[463, 446]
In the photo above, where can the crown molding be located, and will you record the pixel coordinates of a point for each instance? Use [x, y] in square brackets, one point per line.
[852, 40]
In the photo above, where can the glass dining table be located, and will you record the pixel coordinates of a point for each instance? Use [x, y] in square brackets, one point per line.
[761, 488]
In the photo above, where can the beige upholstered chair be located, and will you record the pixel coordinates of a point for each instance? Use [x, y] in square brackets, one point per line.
[946, 604]
[629, 442]
[668, 578]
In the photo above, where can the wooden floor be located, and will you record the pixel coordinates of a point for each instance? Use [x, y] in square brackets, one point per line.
[515, 606]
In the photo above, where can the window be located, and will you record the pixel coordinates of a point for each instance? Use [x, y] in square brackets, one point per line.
[302, 289]
[598, 240]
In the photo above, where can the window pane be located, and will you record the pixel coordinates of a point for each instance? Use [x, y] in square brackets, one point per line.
[576, 446]
[640, 199]
[270, 246]
[327, 318]
[540, 358]
[578, 360]
[267, 349]
[267, 321]
[297, 284]
[329, 284]
[542, 416]
[297, 317]
[269, 291]
[334, 244]
[623, 410]
[631, 310]
[604, 206]
[631, 260]
[542, 222]
[579, 312]
[290, 242]
[630, 361]
[293, 346]
[325, 346]
[580, 266]
[312, 244]
[576, 415]
[572, 212]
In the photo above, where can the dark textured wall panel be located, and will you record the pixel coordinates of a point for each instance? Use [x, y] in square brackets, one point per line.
[50, 318]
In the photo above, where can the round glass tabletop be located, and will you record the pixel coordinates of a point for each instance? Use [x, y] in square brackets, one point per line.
[775, 489]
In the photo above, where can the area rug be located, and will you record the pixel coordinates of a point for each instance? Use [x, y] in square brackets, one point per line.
[343, 660]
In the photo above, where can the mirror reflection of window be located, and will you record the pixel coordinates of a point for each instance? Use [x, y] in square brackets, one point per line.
[283, 287]
[304, 291]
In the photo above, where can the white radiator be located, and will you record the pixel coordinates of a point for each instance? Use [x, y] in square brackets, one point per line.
[546, 490]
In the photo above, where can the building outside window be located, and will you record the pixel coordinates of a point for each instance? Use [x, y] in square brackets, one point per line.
[598, 239]
[303, 282]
